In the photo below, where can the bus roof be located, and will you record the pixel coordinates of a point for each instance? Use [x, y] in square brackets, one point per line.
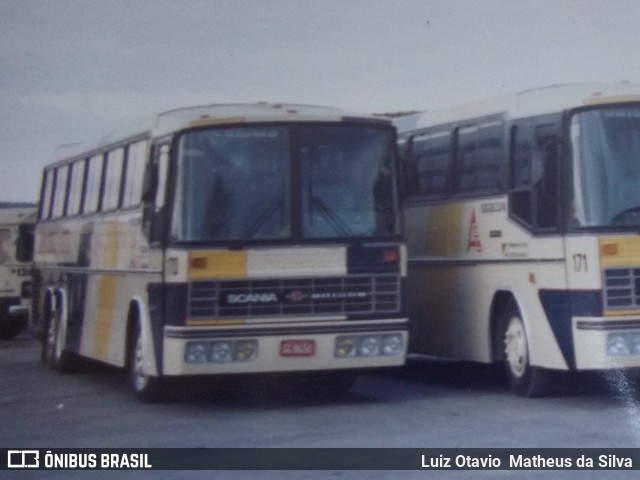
[220, 114]
[536, 101]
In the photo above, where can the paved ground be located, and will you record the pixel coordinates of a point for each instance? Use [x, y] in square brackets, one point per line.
[427, 404]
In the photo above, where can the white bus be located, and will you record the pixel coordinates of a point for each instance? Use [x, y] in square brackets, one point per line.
[226, 239]
[522, 220]
[16, 251]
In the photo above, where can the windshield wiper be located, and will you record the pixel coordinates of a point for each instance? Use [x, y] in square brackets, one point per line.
[263, 217]
[339, 225]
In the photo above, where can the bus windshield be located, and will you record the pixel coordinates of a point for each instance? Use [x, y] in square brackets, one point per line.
[280, 182]
[606, 167]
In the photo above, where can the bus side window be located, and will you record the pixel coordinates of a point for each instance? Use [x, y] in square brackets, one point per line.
[430, 162]
[154, 192]
[47, 193]
[521, 179]
[60, 194]
[467, 155]
[546, 156]
[534, 163]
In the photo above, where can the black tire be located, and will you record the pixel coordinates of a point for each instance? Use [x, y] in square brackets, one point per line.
[54, 353]
[147, 388]
[524, 380]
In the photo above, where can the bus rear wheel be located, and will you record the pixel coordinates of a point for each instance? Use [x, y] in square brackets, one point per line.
[525, 380]
[146, 387]
[54, 353]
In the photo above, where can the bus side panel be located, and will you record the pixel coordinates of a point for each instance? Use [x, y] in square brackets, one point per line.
[431, 301]
[101, 266]
[460, 256]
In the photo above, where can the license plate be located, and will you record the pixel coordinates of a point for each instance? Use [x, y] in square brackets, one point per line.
[297, 348]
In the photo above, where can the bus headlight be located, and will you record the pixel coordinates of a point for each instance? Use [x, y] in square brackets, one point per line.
[246, 350]
[345, 347]
[392, 344]
[221, 352]
[197, 352]
[369, 346]
[623, 344]
[634, 343]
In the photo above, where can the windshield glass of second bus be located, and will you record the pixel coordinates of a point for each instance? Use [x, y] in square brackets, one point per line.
[606, 166]
[239, 183]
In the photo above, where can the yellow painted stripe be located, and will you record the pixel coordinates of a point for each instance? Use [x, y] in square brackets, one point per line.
[620, 313]
[203, 122]
[626, 248]
[109, 254]
[104, 316]
[444, 227]
[614, 99]
[217, 264]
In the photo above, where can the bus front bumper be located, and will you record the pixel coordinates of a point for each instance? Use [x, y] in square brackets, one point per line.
[221, 350]
[606, 342]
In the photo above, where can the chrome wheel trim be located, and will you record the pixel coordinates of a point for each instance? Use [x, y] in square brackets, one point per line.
[515, 343]
[140, 379]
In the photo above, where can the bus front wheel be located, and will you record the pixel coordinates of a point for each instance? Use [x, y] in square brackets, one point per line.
[146, 387]
[525, 380]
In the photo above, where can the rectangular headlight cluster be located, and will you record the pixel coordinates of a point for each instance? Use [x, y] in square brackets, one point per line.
[221, 351]
[368, 345]
[623, 344]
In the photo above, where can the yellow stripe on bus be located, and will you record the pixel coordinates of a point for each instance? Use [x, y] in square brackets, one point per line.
[217, 264]
[619, 251]
[203, 122]
[611, 99]
[104, 316]
[620, 313]
[109, 254]
[444, 230]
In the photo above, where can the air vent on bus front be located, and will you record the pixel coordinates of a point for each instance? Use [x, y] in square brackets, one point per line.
[622, 288]
[357, 294]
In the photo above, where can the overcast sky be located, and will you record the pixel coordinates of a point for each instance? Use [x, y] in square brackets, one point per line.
[72, 70]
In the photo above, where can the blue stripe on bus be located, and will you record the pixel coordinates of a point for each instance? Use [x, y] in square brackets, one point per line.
[560, 306]
[167, 306]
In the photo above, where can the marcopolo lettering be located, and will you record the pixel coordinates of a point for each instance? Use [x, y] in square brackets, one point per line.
[338, 295]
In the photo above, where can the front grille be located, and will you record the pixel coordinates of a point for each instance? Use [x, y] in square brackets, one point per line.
[622, 288]
[352, 295]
